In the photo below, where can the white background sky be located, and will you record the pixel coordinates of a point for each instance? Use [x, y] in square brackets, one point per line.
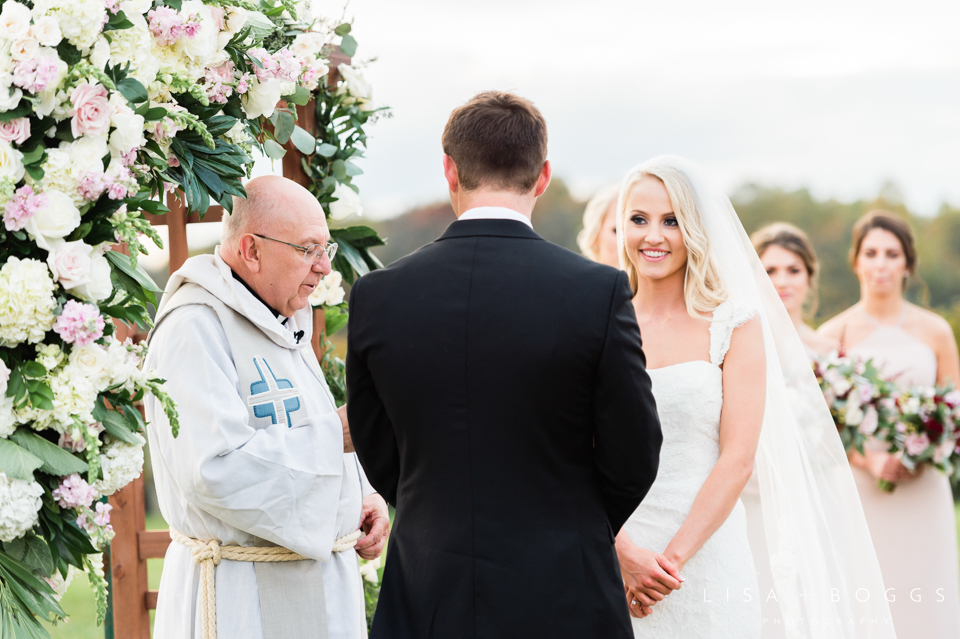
[839, 96]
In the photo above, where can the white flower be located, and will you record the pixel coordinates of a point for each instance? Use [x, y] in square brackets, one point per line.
[14, 20]
[19, 504]
[49, 355]
[203, 47]
[47, 31]
[368, 570]
[24, 48]
[4, 377]
[61, 171]
[11, 162]
[81, 21]
[123, 365]
[135, 45]
[121, 463]
[308, 44]
[236, 18]
[70, 263]
[128, 134]
[73, 396]
[86, 154]
[26, 302]
[329, 291]
[347, 203]
[59, 584]
[91, 361]
[100, 54]
[135, 7]
[854, 414]
[261, 98]
[9, 95]
[100, 286]
[911, 406]
[55, 221]
[8, 418]
[355, 83]
[237, 134]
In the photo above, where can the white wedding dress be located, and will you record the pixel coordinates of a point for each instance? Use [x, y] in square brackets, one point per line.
[720, 597]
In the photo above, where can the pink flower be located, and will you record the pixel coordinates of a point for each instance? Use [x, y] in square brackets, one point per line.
[192, 25]
[166, 25]
[102, 518]
[870, 421]
[117, 191]
[129, 158]
[79, 324]
[916, 444]
[35, 74]
[113, 6]
[217, 13]
[67, 442]
[91, 186]
[21, 207]
[16, 130]
[91, 110]
[73, 492]
[242, 86]
[952, 399]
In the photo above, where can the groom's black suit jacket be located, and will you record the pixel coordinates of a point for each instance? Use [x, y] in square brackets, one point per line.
[497, 397]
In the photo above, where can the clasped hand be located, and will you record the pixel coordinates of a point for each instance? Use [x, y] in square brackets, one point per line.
[375, 524]
[648, 577]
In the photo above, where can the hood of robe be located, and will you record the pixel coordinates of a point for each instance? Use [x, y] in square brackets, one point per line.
[215, 275]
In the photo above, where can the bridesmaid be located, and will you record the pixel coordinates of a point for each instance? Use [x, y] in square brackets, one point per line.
[790, 261]
[913, 528]
[598, 239]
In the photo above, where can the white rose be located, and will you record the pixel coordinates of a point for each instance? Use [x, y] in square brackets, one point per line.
[11, 162]
[24, 48]
[101, 53]
[70, 263]
[287, 87]
[261, 98]
[307, 44]
[9, 95]
[357, 86]
[14, 20]
[46, 29]
[91, 362]
[86, 154]
[54, 221]
[203, 46]
[135, 7]
[99, 287]
[347, 204]
[128, 134]
[236, 18]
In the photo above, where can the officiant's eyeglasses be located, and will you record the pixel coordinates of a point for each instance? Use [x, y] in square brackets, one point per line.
[311, 253]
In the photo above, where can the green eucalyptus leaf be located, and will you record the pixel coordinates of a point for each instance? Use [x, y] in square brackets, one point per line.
[348, 45]
[284, 127]
[304, 142]
[273, 150]
[326, 150]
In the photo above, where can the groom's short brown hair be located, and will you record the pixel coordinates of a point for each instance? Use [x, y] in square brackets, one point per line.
[497, 139]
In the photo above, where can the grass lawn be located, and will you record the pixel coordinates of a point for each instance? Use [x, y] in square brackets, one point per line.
[78, 602]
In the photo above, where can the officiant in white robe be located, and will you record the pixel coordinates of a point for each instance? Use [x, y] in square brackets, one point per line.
[260, 458]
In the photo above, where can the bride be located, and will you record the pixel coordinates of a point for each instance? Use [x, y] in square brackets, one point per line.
[721, 353]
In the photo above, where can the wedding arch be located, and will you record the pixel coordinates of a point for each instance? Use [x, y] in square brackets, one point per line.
[107, 109]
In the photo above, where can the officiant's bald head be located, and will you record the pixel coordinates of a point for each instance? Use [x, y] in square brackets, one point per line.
[257, 237]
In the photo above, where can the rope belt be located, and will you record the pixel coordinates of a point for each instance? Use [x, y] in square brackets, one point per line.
[209, 553]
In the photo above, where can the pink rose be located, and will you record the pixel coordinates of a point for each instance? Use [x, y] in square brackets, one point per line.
[217, 14]
[70, 264]
[915, 444]
[16, 130]
[91, 110]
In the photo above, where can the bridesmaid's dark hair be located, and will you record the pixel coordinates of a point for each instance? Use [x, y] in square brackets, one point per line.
[892, 224]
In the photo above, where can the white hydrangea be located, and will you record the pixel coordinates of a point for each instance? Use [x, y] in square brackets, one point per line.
[49, 355]
[81, 21]
[329, 291]
[74, 395]
[19, 504]
[238, 134]
[121, 463]
[60, 173]
[8, 419]
[123, 366]
[26, 301]
[133, 45]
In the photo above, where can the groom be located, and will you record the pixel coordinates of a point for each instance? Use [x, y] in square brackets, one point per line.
[497, 397]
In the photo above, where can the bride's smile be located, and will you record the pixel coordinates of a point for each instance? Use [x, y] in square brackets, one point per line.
[654, 242]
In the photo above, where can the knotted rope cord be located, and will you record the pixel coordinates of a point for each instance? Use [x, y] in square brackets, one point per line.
[209, 553]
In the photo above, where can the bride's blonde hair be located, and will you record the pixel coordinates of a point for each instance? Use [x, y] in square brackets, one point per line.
[703, 289]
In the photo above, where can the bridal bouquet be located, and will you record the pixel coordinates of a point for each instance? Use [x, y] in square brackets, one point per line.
[921, 425]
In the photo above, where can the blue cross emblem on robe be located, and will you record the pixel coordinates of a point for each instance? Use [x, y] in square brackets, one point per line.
[272, 397]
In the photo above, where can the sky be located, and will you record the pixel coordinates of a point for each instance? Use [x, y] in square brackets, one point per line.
[837, 96]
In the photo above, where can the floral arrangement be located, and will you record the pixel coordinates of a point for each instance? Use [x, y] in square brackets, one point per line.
[105, 106]
[920, 425]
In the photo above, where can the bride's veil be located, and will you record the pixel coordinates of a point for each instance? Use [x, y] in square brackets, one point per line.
[824, 569]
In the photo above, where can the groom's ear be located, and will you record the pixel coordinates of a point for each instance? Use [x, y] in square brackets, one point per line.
[544, 180]
[450, 172]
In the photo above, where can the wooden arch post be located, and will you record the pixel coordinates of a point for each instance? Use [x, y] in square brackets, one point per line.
[131, 600]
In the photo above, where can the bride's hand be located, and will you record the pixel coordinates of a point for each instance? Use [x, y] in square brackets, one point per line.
[887, 466]
[647, 576]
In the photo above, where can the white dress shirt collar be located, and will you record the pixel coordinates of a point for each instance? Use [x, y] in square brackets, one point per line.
[495, 213]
